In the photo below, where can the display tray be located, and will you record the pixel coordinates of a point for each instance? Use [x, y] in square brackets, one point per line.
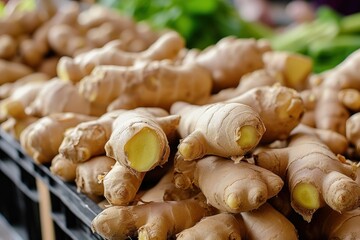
[71, 212]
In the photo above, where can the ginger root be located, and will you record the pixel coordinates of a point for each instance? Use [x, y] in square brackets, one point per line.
[267, 223]
[41, 139]
[280, 108]
[88, 139]
[121, 184]
[87, 175]
[63, 168]
[166, 47]
[314, 175]
[224, 129]
[146, 85]
[228, 185]
[12, 71]
[154, 220]
[222, 226]
[295, 68]
[138, 140]
[245, 55]
[59, 96]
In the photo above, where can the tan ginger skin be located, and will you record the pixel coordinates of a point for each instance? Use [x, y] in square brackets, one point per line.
[166, 47]
[11, 71]
[135, 128]
[258, 78]
[87, 175]
[280, 108]
[227, 185]
[88, 139]
[245, 55]
[41, 140]
[224, 129]
[154, 220]
[295, 68]
[267, 223]
[314, 174]
[166, 190]
[121, 185]
[219, 226]
[353, 130]
[22, 97]
[7, 89]
[262, 223]
[63, 168]
[337, 142]
[153, 84]
[344, 76]
[58, 96]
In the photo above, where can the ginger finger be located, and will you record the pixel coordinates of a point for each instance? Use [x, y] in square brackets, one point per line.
[146, 85]
[337, 143]
[121, 185]
[314, 174]
[228, 187]
[166, 47]
[236, 129]
[87, 175]
[261, 224]
[138, 141]
[155, 220]
[227, 74]
[63, 168]
[280, 108]
[58, 96]
[223, 226]
[88, 139]
[41, 140]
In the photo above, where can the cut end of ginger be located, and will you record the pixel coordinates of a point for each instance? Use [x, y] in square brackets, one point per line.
[297, 69]
[248, 137]
[306, 196]
[143, 150]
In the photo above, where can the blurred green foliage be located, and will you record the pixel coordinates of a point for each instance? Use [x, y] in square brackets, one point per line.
[328, 40]
[200, 22]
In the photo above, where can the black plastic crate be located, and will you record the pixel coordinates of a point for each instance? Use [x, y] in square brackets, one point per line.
[71, 212]
[20, 202]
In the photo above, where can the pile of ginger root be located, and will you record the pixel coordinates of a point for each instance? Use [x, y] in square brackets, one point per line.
[236, 141]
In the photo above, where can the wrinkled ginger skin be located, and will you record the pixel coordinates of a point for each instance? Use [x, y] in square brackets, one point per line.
[222, 226]
[314, 174]
[223, 129]
[166, 47]
[235, 187]
[280, 108]
[121, 185]
[87, 175]
[245, 55]
[153, 84]
[135, 128]
[88, 139]
[41, 139]
[155, 220]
